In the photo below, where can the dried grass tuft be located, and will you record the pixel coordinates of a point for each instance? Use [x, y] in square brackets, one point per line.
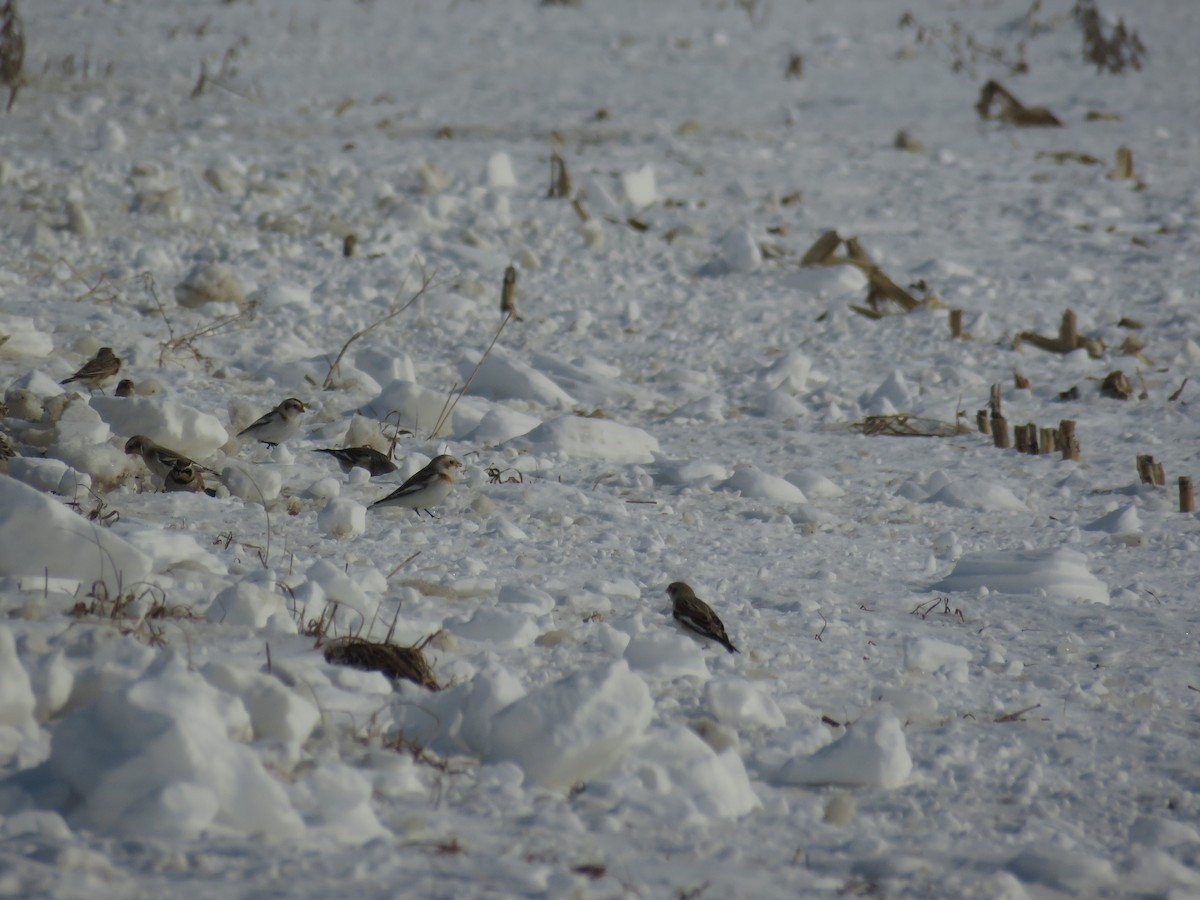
[392, 660]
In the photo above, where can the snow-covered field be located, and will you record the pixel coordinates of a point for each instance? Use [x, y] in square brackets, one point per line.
[964, 671]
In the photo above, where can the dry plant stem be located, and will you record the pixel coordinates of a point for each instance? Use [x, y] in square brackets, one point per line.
[1049, 440]
[982, 422]
[1067, 442]
[1187, 499]
[450, 404]
[956, 323]
[426, 281]
[1000, 432]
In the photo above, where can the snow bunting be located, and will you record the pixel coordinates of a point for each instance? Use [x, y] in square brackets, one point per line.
[363, 457]
[697, 616]
[278, 425]
[96, 371]
[427, 488]
[158, 459]
[125, 387]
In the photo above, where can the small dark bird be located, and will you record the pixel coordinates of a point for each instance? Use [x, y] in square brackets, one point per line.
[162, 462]
[101, 368]
[697, 616]
[277, 426]
[125, 387]
[361, 457]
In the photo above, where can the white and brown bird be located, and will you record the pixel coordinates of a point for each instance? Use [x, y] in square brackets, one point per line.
[101, 368]
[361, 457]
[277, 426]
[697, 616]
[160, 460]
[427, 488]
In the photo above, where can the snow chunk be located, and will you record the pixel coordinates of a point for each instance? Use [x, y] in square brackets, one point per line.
[1122, 520]
[80, 438]
[640, 187]
[276, 712]
[39, 535]
[931, 655]
[677, 761]
[814, 484]
[498, 173]
[209, 283]
[17, 701]
[336, 802]
[526, 598]
[174, 425]
[420, 408]
[497, 627]
[872, 753]
[892, 395]
[504, 377]
[158, 759]
[690, 473]
[49, 475]
[759, 485]
[500, 425]
[170, 548]
[1070, 870]
[247, 603]
[342, 518]
[738, 703]
[1061, 572]
[977, 495]
[282, 297]
[737, 253]
[575, 728]
[257, 485]
[579, 436]
[790, 371]
[666, 653]
[19, 337]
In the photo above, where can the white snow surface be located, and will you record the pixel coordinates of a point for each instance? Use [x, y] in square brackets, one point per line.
[963, 671]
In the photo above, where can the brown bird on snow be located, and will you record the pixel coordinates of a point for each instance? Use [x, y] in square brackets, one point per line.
[697, 616]
[361, 457]
[101, 368]
[186, 477]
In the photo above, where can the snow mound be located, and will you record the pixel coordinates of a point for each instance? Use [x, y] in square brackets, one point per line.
[1060, 572]
[688, 472]
[342, 518]
[160, 758]
[17, 700]
[249, 604]
[21, 338]
[759, 485]
[336, 802]
[980, 496]
[928, 655]
[209, 283]
[39, 535]
[640, 186]
[498, 173]
[419, 408]
[739, 704]
[675, 761]
[81, 439]
[790, 371]
[666, 653]
[587, 438]
[872, 753]
[1070, 870]
[49, 475]
[526, 598]
[276, 712]
[814, 484]
[504, 377]
[575, 728]
[737, 252]
[497, 627]
[893, 394]
[1122, 520]
[500, 425]
[174, 425]
[256, 484]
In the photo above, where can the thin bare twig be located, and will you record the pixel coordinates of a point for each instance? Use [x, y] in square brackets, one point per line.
[448, 410]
